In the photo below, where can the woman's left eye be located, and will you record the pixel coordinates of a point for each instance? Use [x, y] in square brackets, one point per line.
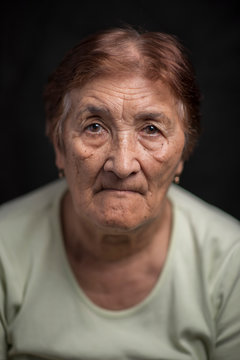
[95, 127]
[151, 130]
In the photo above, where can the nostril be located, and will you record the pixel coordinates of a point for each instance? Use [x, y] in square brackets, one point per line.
[122, 168]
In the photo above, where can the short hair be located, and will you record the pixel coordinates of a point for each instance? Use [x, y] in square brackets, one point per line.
[120, 51]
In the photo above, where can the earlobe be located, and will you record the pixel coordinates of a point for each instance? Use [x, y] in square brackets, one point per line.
[59, 155]
[59, 159]
[179, 168]
[178, 172]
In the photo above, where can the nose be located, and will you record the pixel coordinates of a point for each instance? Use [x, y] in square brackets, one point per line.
[122, 159]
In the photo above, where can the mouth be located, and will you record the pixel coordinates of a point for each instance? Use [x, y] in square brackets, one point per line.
[120, 190]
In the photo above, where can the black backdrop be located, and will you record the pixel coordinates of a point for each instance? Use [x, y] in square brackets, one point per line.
[36, 34]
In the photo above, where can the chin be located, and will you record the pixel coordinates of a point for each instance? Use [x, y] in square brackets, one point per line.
[122, 214]
[120, 222]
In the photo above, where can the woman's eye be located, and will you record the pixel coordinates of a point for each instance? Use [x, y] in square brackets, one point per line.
[95, 128]
[151, 130]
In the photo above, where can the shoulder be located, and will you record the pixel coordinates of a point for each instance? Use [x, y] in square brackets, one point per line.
[33, 201]
[27, 227]
[203, 217]
[208, 253]
[206, 233]
[21, 219]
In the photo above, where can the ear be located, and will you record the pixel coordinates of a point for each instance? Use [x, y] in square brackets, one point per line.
[179, 168]
[59, 155]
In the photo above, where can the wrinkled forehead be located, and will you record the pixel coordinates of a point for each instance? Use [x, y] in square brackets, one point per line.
[133, 94]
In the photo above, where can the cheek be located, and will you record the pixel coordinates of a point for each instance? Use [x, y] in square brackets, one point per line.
[162, 161]
[79, 151]
[83, 162]
[169, 149]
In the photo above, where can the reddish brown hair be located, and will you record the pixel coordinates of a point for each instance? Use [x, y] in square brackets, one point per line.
[154, 55]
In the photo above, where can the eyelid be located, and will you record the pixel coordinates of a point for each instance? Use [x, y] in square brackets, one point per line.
[102, 129]
[156, 129]
[156, 134]
[152, 123]
[93, 123]
[93, 119]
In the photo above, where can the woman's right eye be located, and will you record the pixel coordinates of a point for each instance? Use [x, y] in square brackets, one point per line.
[94, 128]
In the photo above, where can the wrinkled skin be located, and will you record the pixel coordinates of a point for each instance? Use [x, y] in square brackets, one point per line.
[123, 143]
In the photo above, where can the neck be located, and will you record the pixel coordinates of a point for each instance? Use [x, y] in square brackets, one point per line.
[105, 262]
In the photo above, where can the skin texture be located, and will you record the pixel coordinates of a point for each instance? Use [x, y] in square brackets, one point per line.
[123, 143]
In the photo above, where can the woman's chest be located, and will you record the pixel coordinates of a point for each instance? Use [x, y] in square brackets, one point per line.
[61, 323]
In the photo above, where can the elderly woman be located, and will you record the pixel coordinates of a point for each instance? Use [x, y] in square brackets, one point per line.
[114, 262]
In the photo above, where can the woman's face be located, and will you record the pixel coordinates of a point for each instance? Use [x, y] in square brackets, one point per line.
[123, 143]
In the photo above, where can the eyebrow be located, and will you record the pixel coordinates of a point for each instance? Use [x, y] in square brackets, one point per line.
[167, 122]
[93, 109]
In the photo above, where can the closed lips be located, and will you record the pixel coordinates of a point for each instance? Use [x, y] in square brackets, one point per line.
[122, 188]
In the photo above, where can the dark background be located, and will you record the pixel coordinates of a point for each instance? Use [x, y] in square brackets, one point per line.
[36, 34]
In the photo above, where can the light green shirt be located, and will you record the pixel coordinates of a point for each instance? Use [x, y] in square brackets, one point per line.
[193, 312]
